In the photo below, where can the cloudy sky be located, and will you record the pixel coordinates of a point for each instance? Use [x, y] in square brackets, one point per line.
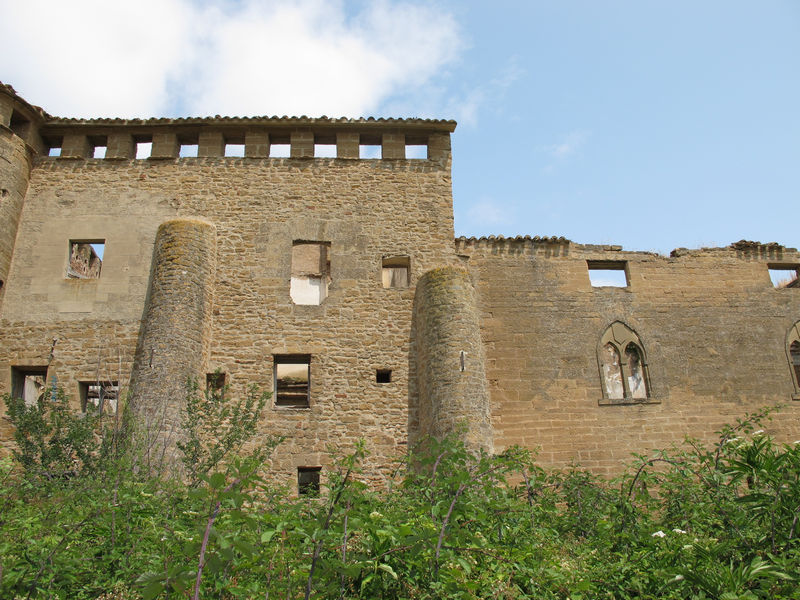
[654, 125]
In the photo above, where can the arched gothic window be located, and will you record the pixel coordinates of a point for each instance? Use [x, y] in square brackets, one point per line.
[623, 367]
[793, 352]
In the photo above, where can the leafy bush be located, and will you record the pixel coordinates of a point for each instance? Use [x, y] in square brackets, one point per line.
[718, 521]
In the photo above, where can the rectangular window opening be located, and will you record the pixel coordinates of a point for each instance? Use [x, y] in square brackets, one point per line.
[608, 273]
[19, 124]
[280, 150]
[311, 268]
[85, 259]
[394, 271]
[383, 376]
[370, 151]
[188, 151]
[28, 383]
[216, 382]
[784, 276]
[416, 151]
[292, 381]
[308, 481]
[99, 396]
[54, 146]
[99, 146]
[234, 149]
[324, 150]
[144, 148]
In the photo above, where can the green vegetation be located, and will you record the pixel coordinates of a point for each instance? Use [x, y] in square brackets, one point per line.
[79, 520]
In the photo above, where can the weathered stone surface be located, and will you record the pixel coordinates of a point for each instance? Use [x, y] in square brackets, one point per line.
[211, 238]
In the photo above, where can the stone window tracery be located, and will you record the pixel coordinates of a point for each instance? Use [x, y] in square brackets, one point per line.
[793, 353]
[623, 368]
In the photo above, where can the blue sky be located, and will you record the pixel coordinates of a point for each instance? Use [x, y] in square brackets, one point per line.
[653, 125]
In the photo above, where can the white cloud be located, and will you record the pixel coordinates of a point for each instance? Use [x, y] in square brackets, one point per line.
[253, 57]
[567, 145]
[467, 107]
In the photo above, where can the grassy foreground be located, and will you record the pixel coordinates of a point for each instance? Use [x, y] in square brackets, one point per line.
[84, 516]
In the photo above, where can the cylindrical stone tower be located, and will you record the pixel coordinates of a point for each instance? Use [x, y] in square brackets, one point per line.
[15, 170]
[175, 334]
[451, 369]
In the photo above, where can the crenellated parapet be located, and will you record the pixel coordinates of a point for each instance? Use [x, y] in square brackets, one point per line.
[250, 137]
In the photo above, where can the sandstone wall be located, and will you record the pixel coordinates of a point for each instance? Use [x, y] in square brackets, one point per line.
[365, 210]
[712, 325]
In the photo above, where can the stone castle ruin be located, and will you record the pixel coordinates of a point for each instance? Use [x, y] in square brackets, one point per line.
[270, 251]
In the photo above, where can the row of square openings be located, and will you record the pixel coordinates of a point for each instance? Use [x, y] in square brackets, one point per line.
[603, 273]
[369, 148]
[292, 380]
[311, 272]
[30, 384]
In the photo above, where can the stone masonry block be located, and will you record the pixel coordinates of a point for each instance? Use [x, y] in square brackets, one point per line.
[394, 145]
[302, 144]
[165, 145]
[256, 144]
[75, 145]
[120, 145]
[347, 145]
[439, 146]
[211, 144]
[6, 108]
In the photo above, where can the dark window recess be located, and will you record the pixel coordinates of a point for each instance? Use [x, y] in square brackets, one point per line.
[383, 376]
[99, 396]
[215, 382]
[603, 273]
[292, 379]
[794, 352]
[85, 259]
[394, 271]
[28, 383]
[308, 481]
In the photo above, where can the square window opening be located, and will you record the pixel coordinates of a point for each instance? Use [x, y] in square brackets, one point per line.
[216, 382]
[28, 383]
[395, 271]
[54, 146]
[383, 376]
[308, 481]
[99, 396]
[144, 148]
[417, 151]
[292, 381]
[784, 276]
[370, 151]
[311, 268]
[188, 151]
[280, 150]
[234, 150]
[99, 146]
[19, 124]
[85, 259]
[608, 273]
[324, 150]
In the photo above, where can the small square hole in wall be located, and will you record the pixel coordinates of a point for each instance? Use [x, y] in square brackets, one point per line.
[188, 151]
[215, 382]
[383, 376]
[53, 146]
[324, 150]
[234, 149]
[99, 396]
[28, 383]
[99, 146]
[280, 150]
[85, 259]
[144, 148]
[370, 151]
[416, 151]
[784, 276]
[308, 481]
[608, 273]
[394, 271]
